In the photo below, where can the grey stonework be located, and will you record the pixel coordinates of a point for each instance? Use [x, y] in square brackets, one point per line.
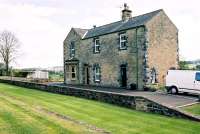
[152, 46]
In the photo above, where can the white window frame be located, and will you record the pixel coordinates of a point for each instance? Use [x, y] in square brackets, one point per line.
[73, 66]
[97, 74]
[96, 45]
[122, 41]
[72, 50]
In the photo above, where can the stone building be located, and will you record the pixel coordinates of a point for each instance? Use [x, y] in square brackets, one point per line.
[133, 51]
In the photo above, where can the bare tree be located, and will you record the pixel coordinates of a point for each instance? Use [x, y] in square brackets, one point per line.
[9, 46]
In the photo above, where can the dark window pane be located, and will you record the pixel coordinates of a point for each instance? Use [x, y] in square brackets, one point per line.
[197, 77]
[97, 69]
[73, 75]
[97, 42]
[97, 48]
[73, 70]
[123, 37]
[123, 44]
[72, 45]
[72, 49]
[123, 40]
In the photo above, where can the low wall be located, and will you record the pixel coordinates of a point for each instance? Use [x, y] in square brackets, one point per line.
[132, 102]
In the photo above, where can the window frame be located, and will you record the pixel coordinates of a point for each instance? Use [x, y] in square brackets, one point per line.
[121, 47]
[73, 72]
[72, 49]
[96, 45]
[97, 74]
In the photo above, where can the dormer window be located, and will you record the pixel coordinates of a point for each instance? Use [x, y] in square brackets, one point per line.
[122, 41]
[96, 45]
[72, 49]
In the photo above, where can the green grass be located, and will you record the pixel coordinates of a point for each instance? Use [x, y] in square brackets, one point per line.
[57, 77]
[194, 109]
[27, 111]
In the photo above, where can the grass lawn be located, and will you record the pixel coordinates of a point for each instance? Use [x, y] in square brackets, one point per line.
[194, 109]
[27, 111]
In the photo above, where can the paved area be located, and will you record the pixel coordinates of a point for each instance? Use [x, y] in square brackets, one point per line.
[168, 99]
[159, 97]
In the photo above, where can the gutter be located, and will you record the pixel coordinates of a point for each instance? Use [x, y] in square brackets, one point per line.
[112, 32]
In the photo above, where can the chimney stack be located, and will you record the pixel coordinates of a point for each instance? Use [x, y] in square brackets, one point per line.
[126, 13]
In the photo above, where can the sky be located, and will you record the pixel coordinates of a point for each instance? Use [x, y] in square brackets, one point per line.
[42, 25]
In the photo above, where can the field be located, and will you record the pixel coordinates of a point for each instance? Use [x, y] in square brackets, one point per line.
[194, 109]
[57, 77]
[27, 111]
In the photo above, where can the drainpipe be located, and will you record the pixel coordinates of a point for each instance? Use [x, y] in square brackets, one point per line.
[137, 61]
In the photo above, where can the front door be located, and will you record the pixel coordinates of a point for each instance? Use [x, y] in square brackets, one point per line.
[87, 74]
[123, 76]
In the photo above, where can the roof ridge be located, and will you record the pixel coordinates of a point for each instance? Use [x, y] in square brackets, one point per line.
[121, 25]
[130, 18]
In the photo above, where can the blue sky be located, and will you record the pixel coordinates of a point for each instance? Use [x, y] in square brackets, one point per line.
[42, 25]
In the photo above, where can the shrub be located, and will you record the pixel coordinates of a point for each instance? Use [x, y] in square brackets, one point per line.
[154, 87]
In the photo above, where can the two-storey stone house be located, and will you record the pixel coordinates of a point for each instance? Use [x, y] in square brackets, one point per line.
[135, 50]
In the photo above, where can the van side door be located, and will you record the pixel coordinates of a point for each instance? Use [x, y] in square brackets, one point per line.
[197, 82]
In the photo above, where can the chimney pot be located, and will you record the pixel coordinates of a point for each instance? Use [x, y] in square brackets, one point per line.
[126, 13]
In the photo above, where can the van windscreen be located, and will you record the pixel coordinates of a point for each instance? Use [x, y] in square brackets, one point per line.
[197, 76]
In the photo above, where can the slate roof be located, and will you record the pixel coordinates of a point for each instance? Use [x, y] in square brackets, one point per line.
[120, 25]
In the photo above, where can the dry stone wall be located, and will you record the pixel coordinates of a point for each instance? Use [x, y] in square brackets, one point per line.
[132, 102]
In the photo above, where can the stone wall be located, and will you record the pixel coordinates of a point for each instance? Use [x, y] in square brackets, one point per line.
[162, 46]
[72, 36]
[110, 57]
[132, 102]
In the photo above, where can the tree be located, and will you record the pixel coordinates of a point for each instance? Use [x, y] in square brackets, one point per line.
[198, 67]
[9, 46]
[183, 65]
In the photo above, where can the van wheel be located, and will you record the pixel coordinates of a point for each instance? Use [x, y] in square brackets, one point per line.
[173, 90]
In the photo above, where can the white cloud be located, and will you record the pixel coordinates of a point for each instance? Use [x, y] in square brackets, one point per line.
[39, 36]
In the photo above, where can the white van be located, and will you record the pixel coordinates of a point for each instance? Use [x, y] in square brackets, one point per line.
[183, 81]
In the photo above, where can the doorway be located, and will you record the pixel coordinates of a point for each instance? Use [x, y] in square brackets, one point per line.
[87, 74]
[123, 72]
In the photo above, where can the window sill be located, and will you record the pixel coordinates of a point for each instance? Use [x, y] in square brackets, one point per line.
[97, 52]
[97, 81]
[122, 48]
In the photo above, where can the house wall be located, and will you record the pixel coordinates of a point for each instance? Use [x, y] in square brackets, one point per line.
[155, 46]
[110, 58]
[162, 46]
[72, 36]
